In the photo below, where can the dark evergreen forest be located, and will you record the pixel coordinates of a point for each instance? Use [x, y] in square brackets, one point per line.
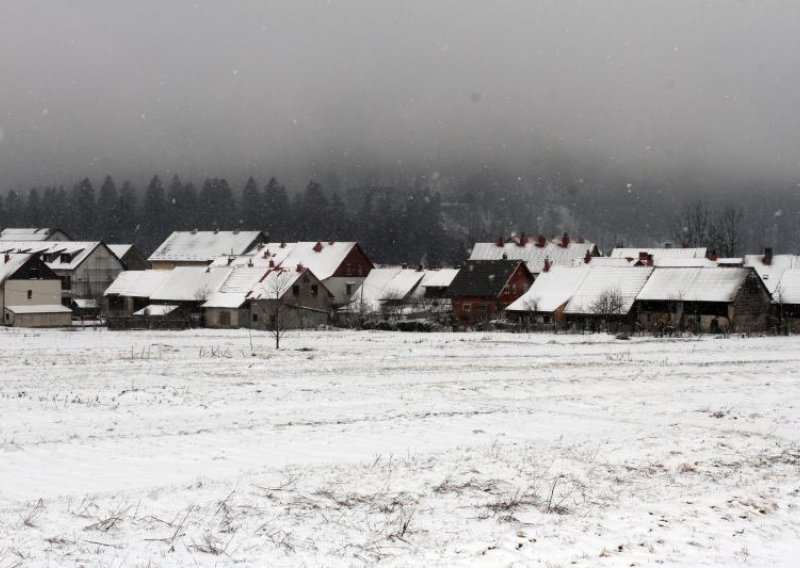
[434, 223]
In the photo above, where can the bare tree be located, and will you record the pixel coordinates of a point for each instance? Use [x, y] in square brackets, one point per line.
[730, 222]
[609, 303]
[276, 288]
[694, 226]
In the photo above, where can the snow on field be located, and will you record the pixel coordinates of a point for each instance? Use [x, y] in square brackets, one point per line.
[351, 449]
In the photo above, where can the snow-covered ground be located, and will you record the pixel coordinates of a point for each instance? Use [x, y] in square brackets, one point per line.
[349, 449]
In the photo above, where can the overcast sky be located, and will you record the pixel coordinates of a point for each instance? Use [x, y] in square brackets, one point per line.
[241, 87]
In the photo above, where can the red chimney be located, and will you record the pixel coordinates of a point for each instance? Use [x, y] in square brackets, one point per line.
[501, 242]
[767, 256]
[300, 267]
[541, 241]
[318, 247]
[588, 257]
[547, 265]
[523, 239]
[643, 256]
[271, 263]
[712, 255]
[565, 240]
[7, 258]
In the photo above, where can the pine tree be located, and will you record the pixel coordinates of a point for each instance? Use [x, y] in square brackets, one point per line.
[2, 213]
[128, 215]
[174, 204]
[252, 211]
[217, 205]
[33, 210]
[107, 214]
[278, 212]
[188, 213]
[312, 213]
[153, 215]
[14, 210]
[83, 210]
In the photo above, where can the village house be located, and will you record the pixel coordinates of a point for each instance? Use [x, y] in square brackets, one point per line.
[543, 304]
[561, 251]
[482, 289]
[33, 234]
[30, 293]
[341, 266]
[786, 302]
[130, 257]
[86, 269]
[200, 248]
[605, 298]
[290, 299]
[703, 300]
[131, 291]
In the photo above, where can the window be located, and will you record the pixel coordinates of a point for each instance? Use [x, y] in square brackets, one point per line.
[348, 289]
[466, 307]
[66, 282]
[314, 289]
[30, 294]
[295, 290]
[224, 318]
[255, 317]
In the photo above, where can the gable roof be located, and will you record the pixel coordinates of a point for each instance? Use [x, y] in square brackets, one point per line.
[533, 252]
[484, 278]
[323, 258]
[57, 255]
[10, 264]
[626, 282]
[388, 283]
[694, 284]
[788, 291]
[205, 246]
[772, 273]
[190, 284]
[32, 234]
[137, 283]
[551, 289]
[438, 277]
[234, 290]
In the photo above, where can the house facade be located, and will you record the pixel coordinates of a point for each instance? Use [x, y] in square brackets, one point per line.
[30, 293]
[482, 289]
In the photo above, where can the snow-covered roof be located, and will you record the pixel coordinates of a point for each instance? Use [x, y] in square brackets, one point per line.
[624, 283]
[57, 255]
[156, 310]
[659, 253]
[234, 290]
[694, 284]
[205, 246]
[438, 278]
[39, 309]
[771, 273]
[323, 258]
[788, 291]
[603, 261]
[276, 282]
[138, 283]
[8, 267]
[120, 250]
[684, 262]
[190, 284]
[388, 283]
[30, 234]
[551, 289]
[533, 252]
[85, 304]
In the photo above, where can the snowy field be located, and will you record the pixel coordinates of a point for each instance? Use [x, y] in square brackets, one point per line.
[352, 449]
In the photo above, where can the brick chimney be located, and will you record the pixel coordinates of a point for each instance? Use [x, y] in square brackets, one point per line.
[318, 247]
[300, 267]
[501, 242]
[541, 241]
[523, 239]
[547, 265]
[565, 240]
[587, 257]
[712, 255]
[767, 256]
[271, 263]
